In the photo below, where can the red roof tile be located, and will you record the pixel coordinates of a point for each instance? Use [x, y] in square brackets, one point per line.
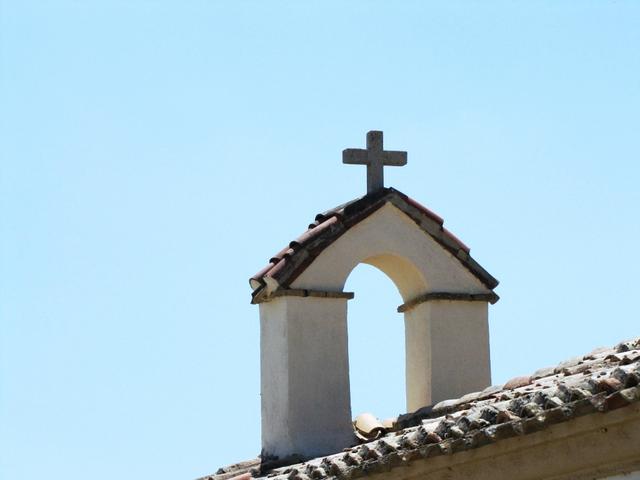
[425, 210]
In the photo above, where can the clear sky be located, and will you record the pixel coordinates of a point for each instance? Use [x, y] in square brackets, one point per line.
[155, 154]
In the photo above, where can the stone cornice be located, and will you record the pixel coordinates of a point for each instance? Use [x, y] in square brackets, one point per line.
[303, 292]
[459, 297]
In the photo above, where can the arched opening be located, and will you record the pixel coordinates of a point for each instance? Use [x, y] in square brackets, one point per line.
[376, 344]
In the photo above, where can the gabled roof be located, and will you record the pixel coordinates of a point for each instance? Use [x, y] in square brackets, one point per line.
[603, 380]
[292, 260]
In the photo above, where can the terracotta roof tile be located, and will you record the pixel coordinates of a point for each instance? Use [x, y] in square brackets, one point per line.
[277, 267]
[281, 254]
[256, 280]
[424, 209]
[517, 382]
[456, 240]
[315, 231]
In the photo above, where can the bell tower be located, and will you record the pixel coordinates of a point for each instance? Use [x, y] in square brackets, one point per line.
[303, 312]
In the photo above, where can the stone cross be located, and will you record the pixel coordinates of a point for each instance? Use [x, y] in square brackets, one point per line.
[375, 158]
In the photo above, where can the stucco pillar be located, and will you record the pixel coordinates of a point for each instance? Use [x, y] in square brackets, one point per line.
[447, 351]
[306, 405]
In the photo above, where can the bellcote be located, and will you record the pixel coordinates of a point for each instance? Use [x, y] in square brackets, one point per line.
[303, 312]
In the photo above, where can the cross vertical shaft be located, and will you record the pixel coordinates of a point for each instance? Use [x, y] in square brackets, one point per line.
[375, 170]
[375, 158]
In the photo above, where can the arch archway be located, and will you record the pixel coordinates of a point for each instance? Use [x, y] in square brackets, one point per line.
[401, 281]
[376, 344]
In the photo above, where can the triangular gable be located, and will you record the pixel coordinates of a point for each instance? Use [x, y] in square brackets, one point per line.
[288, 264]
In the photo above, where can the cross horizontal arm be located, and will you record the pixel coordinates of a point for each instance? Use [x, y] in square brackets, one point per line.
[355, 156]
[393, 158]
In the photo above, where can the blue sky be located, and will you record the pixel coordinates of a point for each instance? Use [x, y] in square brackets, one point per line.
[155, 154]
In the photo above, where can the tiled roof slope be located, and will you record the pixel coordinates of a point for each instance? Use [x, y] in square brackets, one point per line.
[605, 379]
[291, 261]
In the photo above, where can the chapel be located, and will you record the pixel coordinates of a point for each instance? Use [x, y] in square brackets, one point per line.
[579, 419]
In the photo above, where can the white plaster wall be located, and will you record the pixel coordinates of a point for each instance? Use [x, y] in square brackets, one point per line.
[306, 405]
[391, 241]
[447, 351]
[274, 375]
